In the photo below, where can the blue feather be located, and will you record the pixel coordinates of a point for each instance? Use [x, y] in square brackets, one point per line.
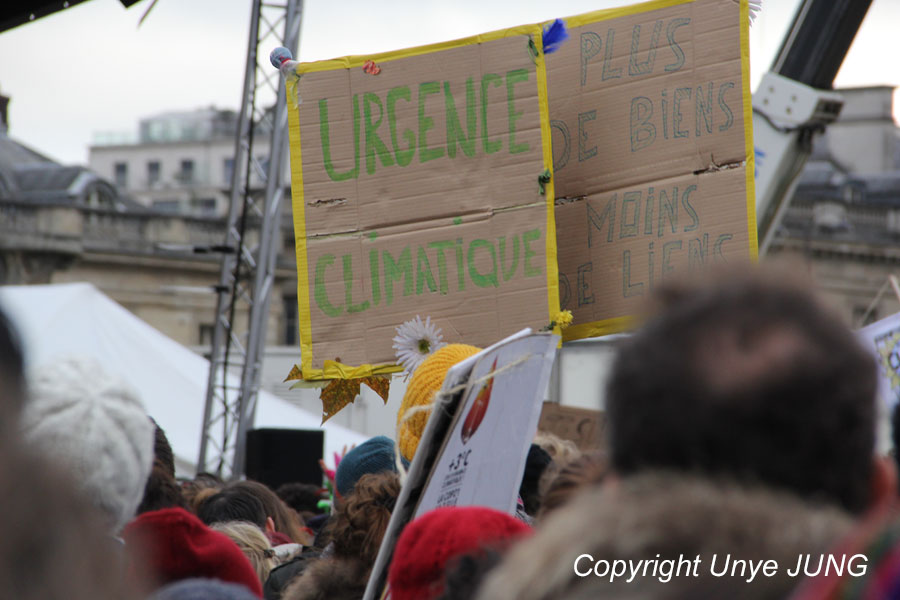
[554, 35]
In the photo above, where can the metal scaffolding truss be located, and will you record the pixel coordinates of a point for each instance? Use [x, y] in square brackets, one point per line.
[248, 270]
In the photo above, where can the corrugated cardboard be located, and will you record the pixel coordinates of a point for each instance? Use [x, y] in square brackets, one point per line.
[586, 428]
[394, 218]
[653, 161]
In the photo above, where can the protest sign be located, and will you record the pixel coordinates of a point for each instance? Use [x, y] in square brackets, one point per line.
[882, 339]
[483, 457]
[653, 153]
[419, 183]
[476, 442]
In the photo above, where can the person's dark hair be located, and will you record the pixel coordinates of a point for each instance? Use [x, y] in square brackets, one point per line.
[232, 504]
[751, 378]
[359, 523]
[895, 435]
[195, 491]
[161, 491]
[464, 574]
[286, 521]
[588, 469]
[209, 480]
[537, 462]
[302, 497]
[162, 450]
[12, 375]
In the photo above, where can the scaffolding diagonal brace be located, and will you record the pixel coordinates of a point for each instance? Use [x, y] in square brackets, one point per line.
[230, 407]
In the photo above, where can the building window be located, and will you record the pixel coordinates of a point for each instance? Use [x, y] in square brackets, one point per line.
[186, 174]
[165, 205]
[228, 170]
[206, 334]
[203, 206]
[120, 174]
[152, 172]
[291, 324]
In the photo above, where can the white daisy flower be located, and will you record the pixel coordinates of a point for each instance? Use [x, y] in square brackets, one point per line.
[755, 8]
[415, 341]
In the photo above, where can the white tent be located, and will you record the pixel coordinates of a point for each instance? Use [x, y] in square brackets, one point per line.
[76, 318]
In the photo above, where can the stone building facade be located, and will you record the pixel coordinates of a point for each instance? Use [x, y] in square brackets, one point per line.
[63, 224]
[843, 222]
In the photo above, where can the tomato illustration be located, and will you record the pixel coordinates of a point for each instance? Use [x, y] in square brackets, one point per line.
[479, 408]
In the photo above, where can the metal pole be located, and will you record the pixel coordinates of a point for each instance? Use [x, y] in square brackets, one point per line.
[269, 246]
[230, 409]
[218, 367]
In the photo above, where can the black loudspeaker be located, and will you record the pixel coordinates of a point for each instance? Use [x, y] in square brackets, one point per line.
[277, 456]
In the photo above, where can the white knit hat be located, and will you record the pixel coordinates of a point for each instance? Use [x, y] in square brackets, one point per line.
[94, 426]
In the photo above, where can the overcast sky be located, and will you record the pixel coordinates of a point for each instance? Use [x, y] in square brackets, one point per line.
[90, 68]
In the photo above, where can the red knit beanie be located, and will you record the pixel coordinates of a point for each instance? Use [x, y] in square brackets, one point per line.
[174, 545]
[428, 543]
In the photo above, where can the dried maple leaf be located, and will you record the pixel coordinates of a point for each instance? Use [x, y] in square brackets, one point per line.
[294, 374]
[341, 392]
[380, 384]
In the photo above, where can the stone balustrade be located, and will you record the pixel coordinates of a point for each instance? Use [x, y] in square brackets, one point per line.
[68, 229]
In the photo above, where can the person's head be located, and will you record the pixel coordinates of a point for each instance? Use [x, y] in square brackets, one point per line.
[375, 455]
[232, 504]
[54, 544]
[425, 382]
[94, 426]
[748, 377]
[588, 469]
[168, 545]
[536, 464]
[202, 589]
[161, 491]
[283, 519]
[12, 376]
[329, 579]
[466, 573]
[162, 450]
[195, 491]
[559, 449]
[303, 498]
[359, 523]
[895, 434]
[430, 543]
[664, 522]
[253, 543]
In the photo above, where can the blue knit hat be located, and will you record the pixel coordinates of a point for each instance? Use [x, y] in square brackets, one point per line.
[372, 456]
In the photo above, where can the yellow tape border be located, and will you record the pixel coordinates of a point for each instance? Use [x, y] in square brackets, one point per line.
[552, 262]
[749, 154]
[621, 11]
[357, 61]
[598, 328]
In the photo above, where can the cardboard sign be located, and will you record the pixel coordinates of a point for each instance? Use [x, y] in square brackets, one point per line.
[476, 442]
[582, 426]
[882, 339]
[653, 152]
[415, 178]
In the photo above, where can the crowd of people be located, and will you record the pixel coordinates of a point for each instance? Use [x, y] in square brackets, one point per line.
[739, 461]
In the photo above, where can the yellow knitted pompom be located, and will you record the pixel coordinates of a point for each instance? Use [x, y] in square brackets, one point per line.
[426, 380]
